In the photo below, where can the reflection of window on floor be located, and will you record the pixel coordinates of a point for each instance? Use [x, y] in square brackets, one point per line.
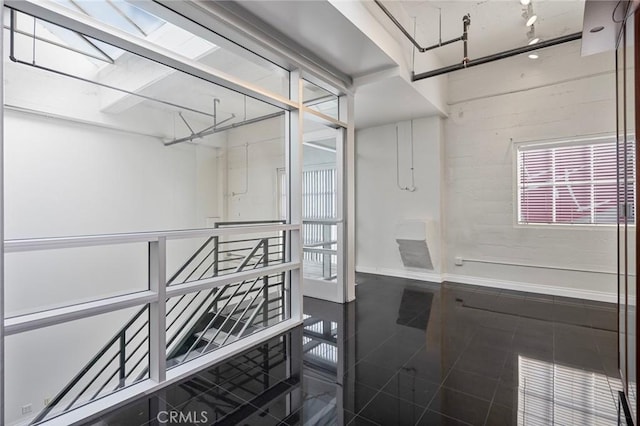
[571, 183]
[549, 393]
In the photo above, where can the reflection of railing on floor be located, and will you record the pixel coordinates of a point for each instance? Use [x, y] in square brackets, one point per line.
[196, 323]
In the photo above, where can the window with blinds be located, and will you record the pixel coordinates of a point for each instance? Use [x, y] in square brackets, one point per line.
[572, 183]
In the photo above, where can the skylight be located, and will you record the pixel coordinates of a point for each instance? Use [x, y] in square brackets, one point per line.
[117, 13]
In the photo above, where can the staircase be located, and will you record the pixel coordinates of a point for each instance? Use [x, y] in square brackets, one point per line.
[196, 323]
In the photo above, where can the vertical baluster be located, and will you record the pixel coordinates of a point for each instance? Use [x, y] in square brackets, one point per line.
[265, 281]
[123, 360]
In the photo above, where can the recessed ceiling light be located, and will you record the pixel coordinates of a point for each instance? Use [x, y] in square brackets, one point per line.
[532, 20]
[533, 56]
[596, 29]
[534, 41]
[525, 2]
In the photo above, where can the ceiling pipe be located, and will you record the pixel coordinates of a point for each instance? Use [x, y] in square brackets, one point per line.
[413, 40]
[497, 56]
[224, 128]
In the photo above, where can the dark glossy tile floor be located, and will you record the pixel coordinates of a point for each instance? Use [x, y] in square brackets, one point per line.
[412, 353]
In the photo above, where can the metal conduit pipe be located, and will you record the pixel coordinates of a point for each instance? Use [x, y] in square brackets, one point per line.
[224, 128]
[498, 56]
[413, 40]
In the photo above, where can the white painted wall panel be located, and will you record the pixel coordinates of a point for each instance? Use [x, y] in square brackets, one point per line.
[381, 206]
[560, 96]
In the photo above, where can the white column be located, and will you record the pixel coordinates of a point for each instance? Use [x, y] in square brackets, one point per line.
[349, 197]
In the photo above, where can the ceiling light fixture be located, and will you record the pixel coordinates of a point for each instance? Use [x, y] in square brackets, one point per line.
[525, 2]
[532, 20]
[531, 35]
[533, 56]
[596, 29]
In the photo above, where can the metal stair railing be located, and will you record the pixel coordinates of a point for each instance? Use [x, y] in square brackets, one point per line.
[264, 244]
[120, 342]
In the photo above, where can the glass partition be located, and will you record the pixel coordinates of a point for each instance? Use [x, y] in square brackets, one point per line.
[627, 188]
[322, 210]
[630, 181]
[48, 279]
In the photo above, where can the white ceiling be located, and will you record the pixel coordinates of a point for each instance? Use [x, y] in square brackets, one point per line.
[388, 101]
[320, 27]
[496, 25]
[324, 31]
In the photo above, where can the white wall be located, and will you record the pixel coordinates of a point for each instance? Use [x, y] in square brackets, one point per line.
[255, 197]
[381, 205]
[493, 106]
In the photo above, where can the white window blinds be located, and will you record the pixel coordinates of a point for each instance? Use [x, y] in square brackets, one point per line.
[573, 184]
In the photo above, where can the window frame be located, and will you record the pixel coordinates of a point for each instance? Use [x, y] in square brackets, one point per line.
[554, 143]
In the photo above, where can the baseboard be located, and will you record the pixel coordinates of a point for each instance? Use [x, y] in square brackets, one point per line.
[433, 277]
[601, 296]
[402, 273]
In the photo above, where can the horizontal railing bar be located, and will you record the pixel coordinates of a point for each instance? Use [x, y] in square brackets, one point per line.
[250, 239]
[56, 316]
[237, 258]
[273, 276]
[234, 250]
[248, 222]
[248, 264]
[321, 243]
[12, 246]
[253, 291]
[319, 250]
[209, 283]
[321, 221]
[248, 248]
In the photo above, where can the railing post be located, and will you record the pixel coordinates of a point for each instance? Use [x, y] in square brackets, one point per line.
[265, 281]
[216, 257]
[123, 359]
[216, 247]
[158, 310]
[283, 300]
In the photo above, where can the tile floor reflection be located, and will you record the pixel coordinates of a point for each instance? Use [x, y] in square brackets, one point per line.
[412, 353]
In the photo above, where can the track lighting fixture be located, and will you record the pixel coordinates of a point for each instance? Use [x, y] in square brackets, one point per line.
[531, 36]
[529, 15]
